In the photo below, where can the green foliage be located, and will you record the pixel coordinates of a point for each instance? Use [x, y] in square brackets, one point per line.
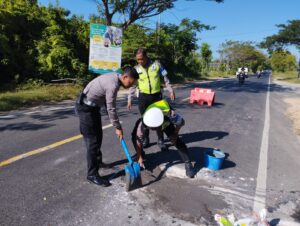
[178, 45]
[206, 55]
[287, 76]
[133, 11]
[174, 45]
[45, 43]
[37, 95]
[237, 54]
[31, 84]
[135, 36]
[40, 42]
[283, 61]
[288, 35]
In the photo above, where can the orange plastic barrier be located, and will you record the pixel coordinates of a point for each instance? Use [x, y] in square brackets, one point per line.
[202, 96]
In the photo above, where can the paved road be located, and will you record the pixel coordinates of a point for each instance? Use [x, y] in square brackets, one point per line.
[49, 188]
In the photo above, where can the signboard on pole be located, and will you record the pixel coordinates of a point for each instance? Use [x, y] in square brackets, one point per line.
[105, 49]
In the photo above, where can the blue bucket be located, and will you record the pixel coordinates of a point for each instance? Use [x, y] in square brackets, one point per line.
[213, 159]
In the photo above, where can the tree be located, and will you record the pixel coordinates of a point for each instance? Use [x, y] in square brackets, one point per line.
[178, 45]
[135, 36]
[237, 54]
[40, 42]
[133, 10]
[176, 49]
[20, 25]
[283, 61]
[206, 55]
[288, 35]
[63, 48]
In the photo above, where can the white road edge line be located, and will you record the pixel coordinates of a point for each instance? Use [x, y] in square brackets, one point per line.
[261, 181]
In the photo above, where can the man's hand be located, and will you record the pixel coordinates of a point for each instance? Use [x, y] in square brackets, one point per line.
[129, 106]
[172, 96]
[119, 133]
[141, 162]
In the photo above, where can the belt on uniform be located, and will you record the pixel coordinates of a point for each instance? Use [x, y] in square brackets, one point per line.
[89, 103]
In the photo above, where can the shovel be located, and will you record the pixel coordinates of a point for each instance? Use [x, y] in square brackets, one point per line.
[132, 171]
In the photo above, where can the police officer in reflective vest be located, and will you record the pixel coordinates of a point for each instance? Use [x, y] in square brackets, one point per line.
[149, 88]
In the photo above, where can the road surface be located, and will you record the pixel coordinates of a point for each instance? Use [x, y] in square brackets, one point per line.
[47, 185]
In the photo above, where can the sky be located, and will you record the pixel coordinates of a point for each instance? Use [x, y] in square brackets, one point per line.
[239, 20]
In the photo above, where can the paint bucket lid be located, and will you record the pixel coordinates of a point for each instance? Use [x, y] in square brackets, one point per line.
[153, 117]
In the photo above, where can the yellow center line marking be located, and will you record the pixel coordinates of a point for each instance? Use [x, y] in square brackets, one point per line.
[43, 149]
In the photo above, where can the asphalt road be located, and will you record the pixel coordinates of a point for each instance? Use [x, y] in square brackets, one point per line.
[49, 188]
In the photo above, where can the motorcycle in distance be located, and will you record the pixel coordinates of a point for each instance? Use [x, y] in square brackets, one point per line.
[241, 77]
[242, 74]
[259, 74]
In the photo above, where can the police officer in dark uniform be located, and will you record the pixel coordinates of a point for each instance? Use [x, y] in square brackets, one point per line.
[99, 92]
[149, 88]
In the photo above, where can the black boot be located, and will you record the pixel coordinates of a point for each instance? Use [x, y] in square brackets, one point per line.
[189, 171]
[146, 139]
[146, 142]
[96, 179]
[161, 144]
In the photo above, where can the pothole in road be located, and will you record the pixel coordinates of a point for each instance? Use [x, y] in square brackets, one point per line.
[185, 200]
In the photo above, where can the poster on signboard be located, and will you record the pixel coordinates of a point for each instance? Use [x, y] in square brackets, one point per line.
[105, 49]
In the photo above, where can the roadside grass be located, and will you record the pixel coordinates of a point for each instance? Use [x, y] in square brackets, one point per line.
[204, 75]
[12, 100]
[217, 74]
[289, 76]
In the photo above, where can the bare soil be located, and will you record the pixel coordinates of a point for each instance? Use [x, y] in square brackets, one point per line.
[293, 112]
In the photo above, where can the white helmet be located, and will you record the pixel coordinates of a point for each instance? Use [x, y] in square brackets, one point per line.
[153, 117]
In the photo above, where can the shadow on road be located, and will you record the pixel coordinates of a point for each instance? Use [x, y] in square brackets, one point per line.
[55, 115]
[252, 85]
[171, 157]
[203, 135]
[25, 126]
[168, 159]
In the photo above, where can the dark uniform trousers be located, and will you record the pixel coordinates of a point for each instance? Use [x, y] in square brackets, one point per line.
[169, 131]
[91, 130]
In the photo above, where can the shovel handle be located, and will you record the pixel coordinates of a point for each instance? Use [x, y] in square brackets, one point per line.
[126, 151]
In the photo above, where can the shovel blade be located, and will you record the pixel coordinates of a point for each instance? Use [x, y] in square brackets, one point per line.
[132, 177]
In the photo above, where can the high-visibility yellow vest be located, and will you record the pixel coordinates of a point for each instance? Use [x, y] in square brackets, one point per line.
[149, 78]
[162, 105]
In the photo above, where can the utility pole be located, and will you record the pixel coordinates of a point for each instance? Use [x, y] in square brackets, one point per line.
[158, 34]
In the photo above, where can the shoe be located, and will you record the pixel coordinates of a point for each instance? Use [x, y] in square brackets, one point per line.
[98, 181]
[161, 144]
[189, 171]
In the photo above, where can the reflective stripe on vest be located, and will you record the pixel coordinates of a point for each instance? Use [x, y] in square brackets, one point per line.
[162, 105]
[149, 81]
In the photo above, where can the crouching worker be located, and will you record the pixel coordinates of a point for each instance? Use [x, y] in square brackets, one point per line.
[159, 115]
